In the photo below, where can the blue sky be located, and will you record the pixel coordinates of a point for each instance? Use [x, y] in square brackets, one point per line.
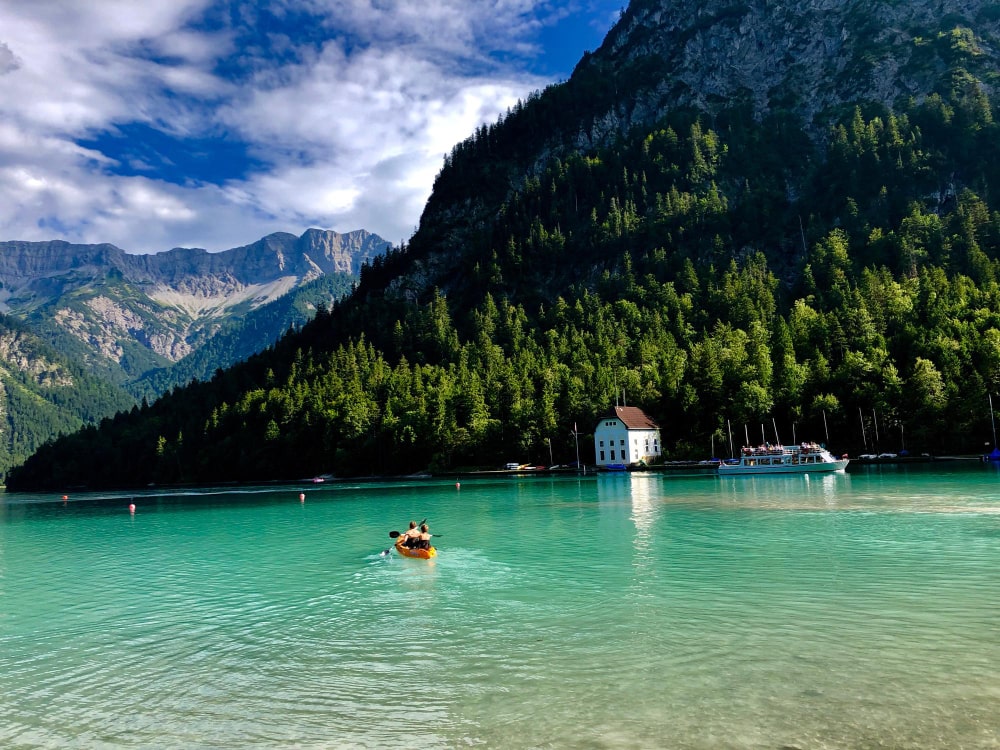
[210, 123]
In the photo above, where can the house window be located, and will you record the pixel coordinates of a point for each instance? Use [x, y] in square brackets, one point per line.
[612, 455]
[602, 443]
[602, 455]
[623, 443]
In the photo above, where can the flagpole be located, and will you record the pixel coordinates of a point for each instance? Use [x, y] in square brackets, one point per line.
[990, 395]
[576, 435]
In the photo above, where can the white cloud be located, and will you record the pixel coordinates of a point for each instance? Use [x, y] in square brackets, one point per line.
[351, 131]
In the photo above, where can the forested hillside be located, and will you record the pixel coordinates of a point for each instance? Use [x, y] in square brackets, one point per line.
[43, 393]
[726, 264]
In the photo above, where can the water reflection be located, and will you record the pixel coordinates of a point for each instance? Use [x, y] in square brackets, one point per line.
[790, 491]
[638, 491]
[644, 492]
[641, 495]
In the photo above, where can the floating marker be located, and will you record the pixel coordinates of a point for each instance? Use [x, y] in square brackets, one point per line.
[302, 497]
[131, 507]
[458, 485]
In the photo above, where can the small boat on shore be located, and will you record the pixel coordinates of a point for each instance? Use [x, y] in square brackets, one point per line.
[421, 554]
[783, 459]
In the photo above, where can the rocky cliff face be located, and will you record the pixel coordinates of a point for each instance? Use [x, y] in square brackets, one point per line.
[809, 57]
[202, 282]
[142, 311]
[16, 356]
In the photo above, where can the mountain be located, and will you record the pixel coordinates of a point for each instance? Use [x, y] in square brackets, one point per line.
[816, 58]
[779, 75]
[43, 394]
[90, 330]
[240, 336]
[123, 315]
[733, 214]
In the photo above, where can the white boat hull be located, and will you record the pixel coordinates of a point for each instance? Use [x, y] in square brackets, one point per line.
[839, 464]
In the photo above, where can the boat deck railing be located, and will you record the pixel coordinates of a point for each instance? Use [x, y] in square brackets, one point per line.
[781, 450]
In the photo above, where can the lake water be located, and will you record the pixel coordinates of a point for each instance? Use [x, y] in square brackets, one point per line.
[853, 610]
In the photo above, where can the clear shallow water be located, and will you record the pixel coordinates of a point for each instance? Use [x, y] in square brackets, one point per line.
[625, 611]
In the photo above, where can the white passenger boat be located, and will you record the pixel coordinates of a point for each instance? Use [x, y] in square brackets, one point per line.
[783, 459]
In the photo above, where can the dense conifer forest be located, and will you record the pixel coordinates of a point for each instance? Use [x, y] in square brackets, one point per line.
[720, 271]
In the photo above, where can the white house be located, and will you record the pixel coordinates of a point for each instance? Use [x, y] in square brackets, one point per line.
[626, 435]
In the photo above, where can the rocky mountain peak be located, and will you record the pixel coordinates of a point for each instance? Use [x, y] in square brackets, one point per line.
[808, 57]
[39, 270]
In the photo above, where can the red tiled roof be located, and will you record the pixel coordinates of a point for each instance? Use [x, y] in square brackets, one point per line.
[632, 417]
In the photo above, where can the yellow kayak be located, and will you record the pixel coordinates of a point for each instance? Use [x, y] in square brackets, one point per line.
[422, 554]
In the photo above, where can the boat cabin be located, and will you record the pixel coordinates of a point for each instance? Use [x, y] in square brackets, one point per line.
[626, 435]
[774, 455]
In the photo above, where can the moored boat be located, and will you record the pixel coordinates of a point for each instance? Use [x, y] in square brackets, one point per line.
[783, 459]
[422, 554]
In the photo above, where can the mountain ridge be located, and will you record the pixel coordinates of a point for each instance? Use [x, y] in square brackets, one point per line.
[809, 56]
[29, 270]
[163, 306]
[99, 329]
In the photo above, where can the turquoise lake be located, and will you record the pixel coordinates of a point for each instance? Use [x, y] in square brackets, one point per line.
[853, 610]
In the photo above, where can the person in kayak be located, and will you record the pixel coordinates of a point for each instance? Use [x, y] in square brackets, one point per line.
[411, 537]
[423, 538]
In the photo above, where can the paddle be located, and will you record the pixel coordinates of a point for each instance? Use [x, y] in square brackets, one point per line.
[392, 535]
